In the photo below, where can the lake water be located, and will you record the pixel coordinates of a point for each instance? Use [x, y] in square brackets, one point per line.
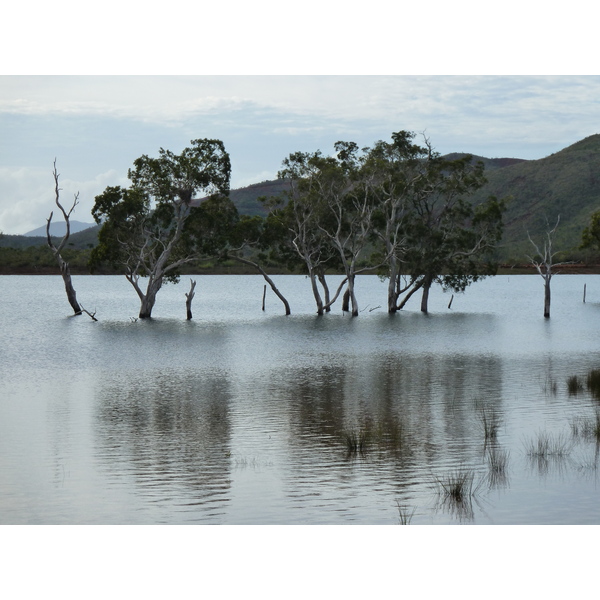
[244, 417]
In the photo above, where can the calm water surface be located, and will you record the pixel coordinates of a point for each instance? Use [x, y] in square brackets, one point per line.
[242, 416]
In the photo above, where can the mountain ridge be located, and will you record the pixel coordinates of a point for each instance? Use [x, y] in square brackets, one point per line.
[59, 228]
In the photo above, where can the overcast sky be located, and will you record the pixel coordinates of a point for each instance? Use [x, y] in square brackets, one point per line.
[96, 125]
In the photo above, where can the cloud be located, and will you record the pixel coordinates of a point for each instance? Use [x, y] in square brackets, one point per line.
[28, 197]
[98, 125]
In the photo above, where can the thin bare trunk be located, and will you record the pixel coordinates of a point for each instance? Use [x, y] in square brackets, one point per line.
[544, 264]
[70, 290]
[337, 293]
[346, 301]
[267, 279]
[393, 285]
[148, 298]
[189, 297]
[63, 264]
[353, 300]
[417, 286]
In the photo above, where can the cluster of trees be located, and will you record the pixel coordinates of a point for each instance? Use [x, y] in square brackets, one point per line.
[397, 208]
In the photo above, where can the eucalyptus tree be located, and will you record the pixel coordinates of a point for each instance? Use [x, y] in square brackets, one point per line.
[352, 207]
[301, 219]
[395, 172]
[154, 227]
[449, 240]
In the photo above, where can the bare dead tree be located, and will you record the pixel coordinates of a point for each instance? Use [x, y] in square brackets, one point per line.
[56, 250]
[543, 262]
[189, 297]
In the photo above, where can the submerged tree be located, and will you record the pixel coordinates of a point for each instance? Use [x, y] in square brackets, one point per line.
[448, 239]
[56, 250]
[153, 228]
[396, 172]
[396, 204]
[189, 297]
[329, 217]
[351, 206]
[544, 263]
[301, 220]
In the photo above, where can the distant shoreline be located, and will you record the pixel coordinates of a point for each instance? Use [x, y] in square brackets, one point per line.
[517, 269]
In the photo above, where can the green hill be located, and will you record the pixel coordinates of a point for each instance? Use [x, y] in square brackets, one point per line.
[246, 199]
[565, 184]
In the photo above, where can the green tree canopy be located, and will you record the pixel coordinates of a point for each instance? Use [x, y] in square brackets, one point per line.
[158, 224]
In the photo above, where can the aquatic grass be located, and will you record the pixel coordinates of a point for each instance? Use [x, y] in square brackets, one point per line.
[497, 460]
[456, 490]
[593, 382]
[490, 421]
[387, 435]
[457, 486]
[356, 441]
[550, 386]
[586, 428]
[574, 385]
[546, 446]
[405, 513]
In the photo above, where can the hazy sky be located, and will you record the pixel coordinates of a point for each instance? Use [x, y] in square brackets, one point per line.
[264, 86]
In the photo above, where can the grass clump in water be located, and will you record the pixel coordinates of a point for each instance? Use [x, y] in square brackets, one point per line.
[574, 385]
[593, 382]
[356, 441]
[388, 435]
[497, 460]
[457, 490]
[490, 421]
[405, 513]
[588, 429]
[457, 486]
[547, 446]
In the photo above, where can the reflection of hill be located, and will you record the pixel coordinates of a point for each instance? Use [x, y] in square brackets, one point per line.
[165, 431]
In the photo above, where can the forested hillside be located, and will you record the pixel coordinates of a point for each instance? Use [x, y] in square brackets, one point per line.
[565, 184]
